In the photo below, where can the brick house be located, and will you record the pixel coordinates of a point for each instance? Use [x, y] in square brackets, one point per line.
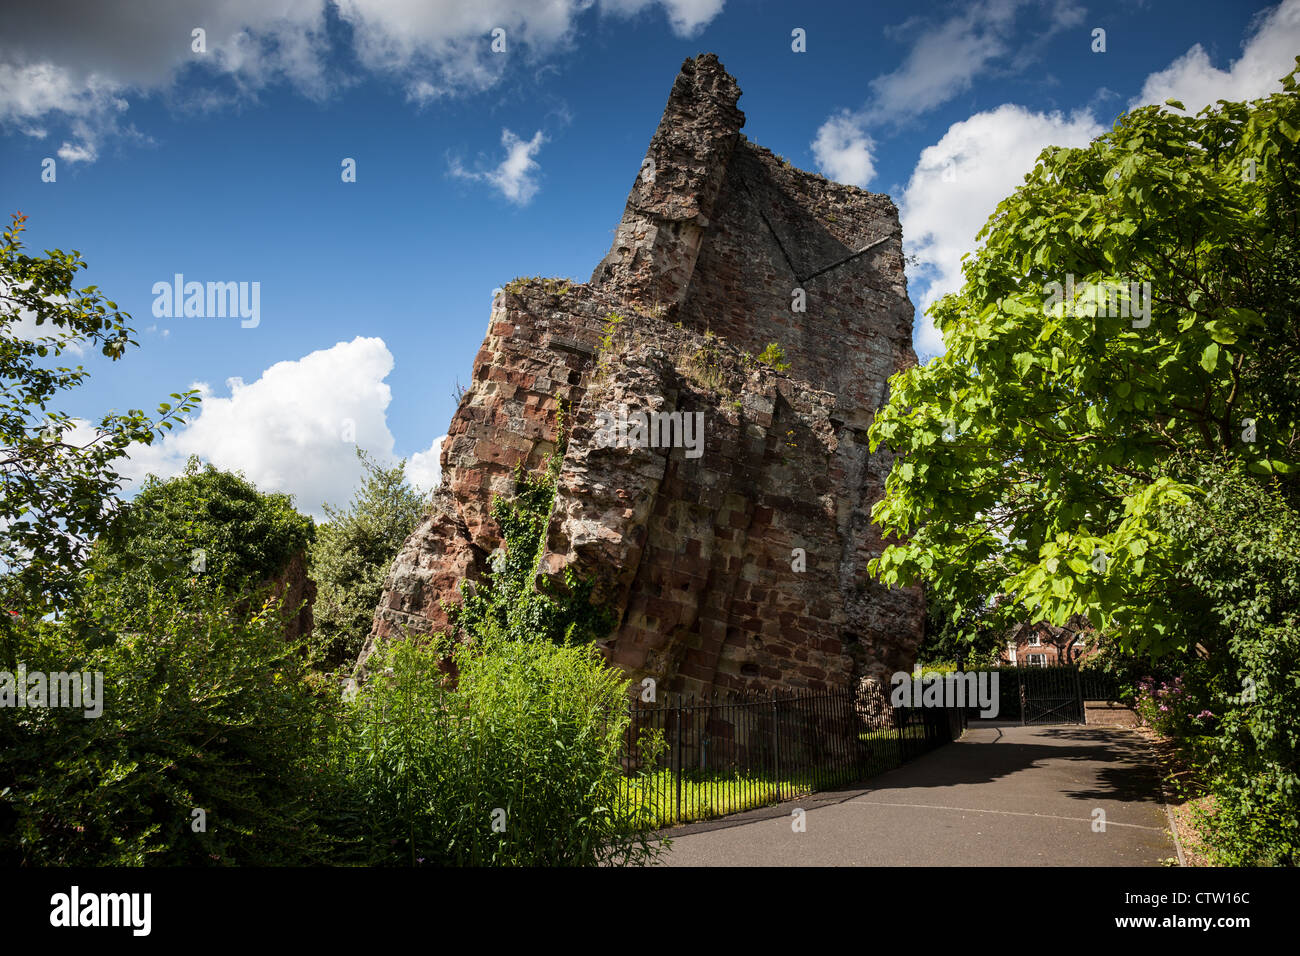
[1044, 645]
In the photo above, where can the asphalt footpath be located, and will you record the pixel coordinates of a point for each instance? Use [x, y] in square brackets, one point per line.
[1002, 795]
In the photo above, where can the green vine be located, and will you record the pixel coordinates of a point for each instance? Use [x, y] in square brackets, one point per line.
[507, 603]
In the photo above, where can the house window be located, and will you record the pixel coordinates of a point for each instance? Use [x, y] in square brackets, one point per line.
[1037, 660]
[1034, 641]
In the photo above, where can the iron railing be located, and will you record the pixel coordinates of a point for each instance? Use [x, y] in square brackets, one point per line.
[687, 759]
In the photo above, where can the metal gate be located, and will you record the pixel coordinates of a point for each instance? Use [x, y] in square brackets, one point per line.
[1050, 695]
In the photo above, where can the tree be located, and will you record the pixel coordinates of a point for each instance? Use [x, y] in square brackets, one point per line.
[209, 526]
[961, 626]
[57, 477]
[351, 558]
[1132, 310]
[211, 748]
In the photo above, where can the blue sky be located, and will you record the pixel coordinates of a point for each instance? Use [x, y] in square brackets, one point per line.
[475, 166]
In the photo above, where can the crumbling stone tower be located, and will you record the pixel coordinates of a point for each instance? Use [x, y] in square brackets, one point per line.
[742, 566]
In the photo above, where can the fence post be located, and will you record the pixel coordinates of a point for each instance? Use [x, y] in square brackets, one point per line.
[776, 747]
[1078, 695]
[1020, 686]
[678, 817]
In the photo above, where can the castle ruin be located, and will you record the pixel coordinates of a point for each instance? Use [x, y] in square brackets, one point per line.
[741, 563]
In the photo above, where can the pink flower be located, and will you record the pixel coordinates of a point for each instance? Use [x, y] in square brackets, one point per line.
[1164, 707]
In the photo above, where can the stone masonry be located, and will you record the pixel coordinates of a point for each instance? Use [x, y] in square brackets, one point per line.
[741, 566]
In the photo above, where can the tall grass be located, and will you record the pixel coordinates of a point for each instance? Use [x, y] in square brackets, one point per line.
[517, 764]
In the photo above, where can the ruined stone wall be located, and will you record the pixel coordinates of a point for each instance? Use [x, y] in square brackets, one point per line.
[744, 567]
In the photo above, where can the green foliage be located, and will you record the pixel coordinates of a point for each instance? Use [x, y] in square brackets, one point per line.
[774, 356]
[1134, 461]
[56, 487]
[209, 525]
[1124, 670]
[1241, 594]
[610, 325]
[508, 604]
[203, 708]
[963, 625]
[517, 766]
[1036, 451]
[351, 556]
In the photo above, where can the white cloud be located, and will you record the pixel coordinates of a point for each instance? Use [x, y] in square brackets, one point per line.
[516, 175]
[77, 63]
[959, 181]
[86, 151]
[1268, 54]
[294, 429]
[843, 150]
[686, 17]
[424, 468]
[945, 57]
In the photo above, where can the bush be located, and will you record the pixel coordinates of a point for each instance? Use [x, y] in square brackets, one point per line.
[203, 708]
[1241, 602]
[209, 526]
[518, 765]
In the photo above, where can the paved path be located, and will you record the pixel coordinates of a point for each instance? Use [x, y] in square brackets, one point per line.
[1000, 796]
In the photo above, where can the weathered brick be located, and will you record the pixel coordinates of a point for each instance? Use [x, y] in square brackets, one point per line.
[694, 554]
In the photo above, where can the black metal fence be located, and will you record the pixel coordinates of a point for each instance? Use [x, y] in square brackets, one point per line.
[1051, 694]
[690, 760]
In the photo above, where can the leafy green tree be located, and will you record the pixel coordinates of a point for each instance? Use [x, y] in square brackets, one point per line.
[211, 526]
[1038, 452]
[961, 626]
[352, 555]
[203, 708]
[57, 482]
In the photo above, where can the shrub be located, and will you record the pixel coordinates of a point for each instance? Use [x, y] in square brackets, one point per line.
[213, 527]
[518, 765]
[774, 356]
[203, 709]
[1241, 601]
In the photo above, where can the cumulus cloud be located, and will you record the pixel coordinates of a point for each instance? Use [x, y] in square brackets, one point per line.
[843, 150]
[294, 429]
[424, 468]
[1268, 54]
[516, 175]
[77, 65]
[959, 181]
